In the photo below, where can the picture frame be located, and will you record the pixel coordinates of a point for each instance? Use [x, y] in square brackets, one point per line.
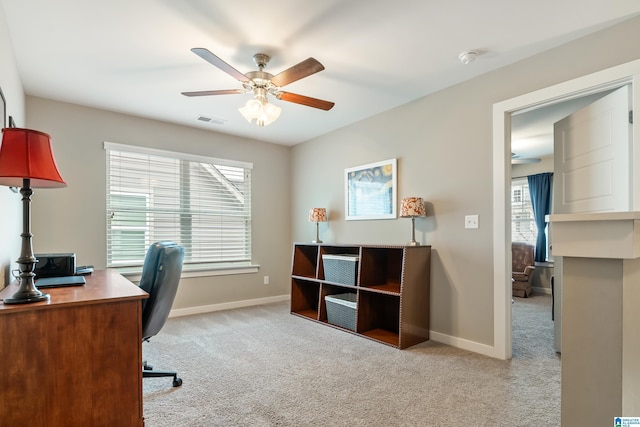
[371, 191]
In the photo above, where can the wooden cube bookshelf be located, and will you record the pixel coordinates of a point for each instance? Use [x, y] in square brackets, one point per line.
[392, 290]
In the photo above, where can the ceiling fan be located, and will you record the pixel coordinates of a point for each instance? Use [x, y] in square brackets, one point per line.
[261, 84]
[517, 160]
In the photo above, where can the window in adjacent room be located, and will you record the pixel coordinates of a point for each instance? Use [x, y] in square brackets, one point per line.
[202, 203]
[523, 225]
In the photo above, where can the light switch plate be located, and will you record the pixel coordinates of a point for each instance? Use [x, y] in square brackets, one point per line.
[471, 221]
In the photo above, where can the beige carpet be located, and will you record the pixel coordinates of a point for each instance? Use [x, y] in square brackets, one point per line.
[261, 366]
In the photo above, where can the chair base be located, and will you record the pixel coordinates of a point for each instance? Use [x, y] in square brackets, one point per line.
[148, 372]
[521, 289]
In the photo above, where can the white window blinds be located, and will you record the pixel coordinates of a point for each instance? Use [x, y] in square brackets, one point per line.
[523, 225]
[201, 203]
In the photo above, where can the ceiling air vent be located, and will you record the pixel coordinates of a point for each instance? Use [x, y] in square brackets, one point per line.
[212, 120]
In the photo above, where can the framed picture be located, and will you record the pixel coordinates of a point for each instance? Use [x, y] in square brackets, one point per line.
[370, 191]
[3, 108]
[12, 123]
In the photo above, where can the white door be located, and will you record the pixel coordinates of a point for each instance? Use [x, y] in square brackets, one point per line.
[592, 157]
[591, 169]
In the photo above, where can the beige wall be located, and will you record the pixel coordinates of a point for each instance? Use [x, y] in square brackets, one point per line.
[443, 143]
[73, 219]
[10, 205]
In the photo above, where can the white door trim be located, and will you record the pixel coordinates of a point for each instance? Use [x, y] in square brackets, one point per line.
[502, 111]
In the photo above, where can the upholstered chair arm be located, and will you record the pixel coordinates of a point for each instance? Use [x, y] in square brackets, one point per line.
[519, 276]
[528, 270]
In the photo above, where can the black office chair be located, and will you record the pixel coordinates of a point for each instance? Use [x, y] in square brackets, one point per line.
[160, 277]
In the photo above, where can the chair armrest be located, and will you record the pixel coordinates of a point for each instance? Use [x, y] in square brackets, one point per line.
[523, 276]
[519, 276]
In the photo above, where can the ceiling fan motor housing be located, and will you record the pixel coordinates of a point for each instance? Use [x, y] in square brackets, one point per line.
[260, 84]
[261, 60]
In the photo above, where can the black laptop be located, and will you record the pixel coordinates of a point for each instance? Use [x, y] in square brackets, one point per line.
[57, 282]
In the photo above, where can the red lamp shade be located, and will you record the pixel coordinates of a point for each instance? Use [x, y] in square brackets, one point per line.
[26, 153]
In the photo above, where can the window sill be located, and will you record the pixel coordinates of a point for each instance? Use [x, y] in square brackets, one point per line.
[548, 264]
[134, 273]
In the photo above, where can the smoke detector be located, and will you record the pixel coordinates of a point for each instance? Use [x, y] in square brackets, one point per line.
[468, 57]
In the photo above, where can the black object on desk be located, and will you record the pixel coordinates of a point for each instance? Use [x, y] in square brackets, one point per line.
[55, 265]
[84, 269]
[57, 282]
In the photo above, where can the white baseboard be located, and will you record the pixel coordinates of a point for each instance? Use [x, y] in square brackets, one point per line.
[227, 306]
[435, 336]
[463, 344]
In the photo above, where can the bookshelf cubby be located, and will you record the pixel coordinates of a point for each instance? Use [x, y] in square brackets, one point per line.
[392, 290]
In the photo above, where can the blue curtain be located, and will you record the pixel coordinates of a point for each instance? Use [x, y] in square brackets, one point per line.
[540, 192]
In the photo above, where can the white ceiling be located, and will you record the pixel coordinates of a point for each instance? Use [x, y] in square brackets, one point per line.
[134, 56]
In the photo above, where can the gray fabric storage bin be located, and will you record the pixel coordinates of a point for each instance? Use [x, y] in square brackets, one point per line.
[341, 310]
[341, 268]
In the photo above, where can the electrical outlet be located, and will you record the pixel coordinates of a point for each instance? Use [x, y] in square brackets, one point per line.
[471, 221]
[266, 280]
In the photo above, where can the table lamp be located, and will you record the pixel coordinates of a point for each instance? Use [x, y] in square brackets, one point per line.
[26, 161]
[317, 215]
[411, 208]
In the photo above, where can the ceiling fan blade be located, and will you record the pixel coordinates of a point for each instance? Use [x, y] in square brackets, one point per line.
[306, 68]
[214, 60]
[521, 161]
[305, 100]
[213, 92]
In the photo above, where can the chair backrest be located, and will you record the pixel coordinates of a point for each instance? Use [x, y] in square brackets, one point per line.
[522, 255]
[160, 277]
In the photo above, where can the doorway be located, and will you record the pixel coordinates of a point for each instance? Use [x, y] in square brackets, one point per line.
[502, 116]
[532, 148]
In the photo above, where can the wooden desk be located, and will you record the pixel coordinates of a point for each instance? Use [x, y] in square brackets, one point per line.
[75, 360]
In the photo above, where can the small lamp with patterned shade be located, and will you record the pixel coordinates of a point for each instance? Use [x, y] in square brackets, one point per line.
[412, 207]
[317, 215]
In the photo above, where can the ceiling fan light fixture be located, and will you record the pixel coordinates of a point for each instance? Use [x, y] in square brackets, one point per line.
[251, 110]
[271, 111]
[263, 112]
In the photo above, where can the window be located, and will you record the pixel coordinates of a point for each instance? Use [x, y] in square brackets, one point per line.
[129, 228]
[523, 225]
[202, 203]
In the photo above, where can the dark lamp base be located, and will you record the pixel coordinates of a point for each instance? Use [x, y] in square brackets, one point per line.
[26, 297]
[27, 291]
